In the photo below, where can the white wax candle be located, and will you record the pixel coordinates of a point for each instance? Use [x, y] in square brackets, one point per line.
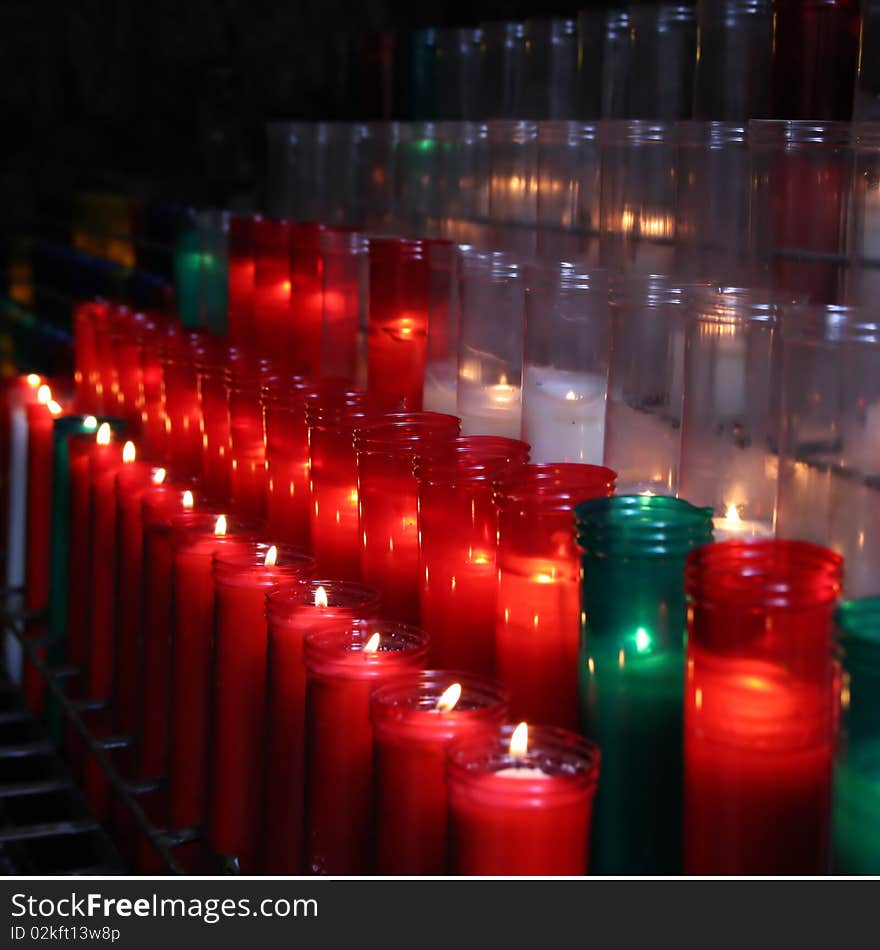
[729, 380]
[489, 409]
[440, 387]
[732, 529]
[563, 415]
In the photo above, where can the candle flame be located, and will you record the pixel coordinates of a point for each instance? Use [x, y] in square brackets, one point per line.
[271, 558]
[732, 514]
[159, 476]
[320, 597]
[90, 422]
[55, 408]
[220, 526]
[372, 645]
[103, 434]
[571, 395]
[34, 380]
[449, 700]
[187, 500]
[519, 741]
[129, 452]
[44, 395]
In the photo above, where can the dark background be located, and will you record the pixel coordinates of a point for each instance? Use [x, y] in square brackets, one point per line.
[170, 97]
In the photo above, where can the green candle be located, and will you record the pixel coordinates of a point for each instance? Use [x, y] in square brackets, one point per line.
[856, 815]
[631, 672]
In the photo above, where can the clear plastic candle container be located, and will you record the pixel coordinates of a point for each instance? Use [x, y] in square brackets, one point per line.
[638, 190]
[732, 80]
[829, 460]
[801, 180]
[463, 188]
[663, 60]
[441, 362]
[490, 343]
[730, 418]
[458, 71]
[863, 242]
[565, 363]
[345, 275]
[416, 166]
[551, 67]
[616, 64]
[280, 136]
[503, 73]
[513, 184]
[568, 190]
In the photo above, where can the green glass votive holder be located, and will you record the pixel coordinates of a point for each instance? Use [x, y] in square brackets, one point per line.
[631, 672]
[856, 811]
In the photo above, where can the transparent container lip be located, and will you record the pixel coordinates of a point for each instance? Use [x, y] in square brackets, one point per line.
[294, 391]
[384, 248]
[563, 484]
[724, 10]
[477, 264]
[554, 26]
[668, 14]
[462, 132]
[567, 131]
[203, 522]
[417, 129]
[513, 131]
[736, 305]
[567, 276]
[354, 596]
[514, 29]
[679, 513]
[330, 650]
[417, 693]
[613, 132]
[832, 323]
[693, 132]
[769, 132]
[253, 554]
[456, 469]
[649, 290]
[752, 572]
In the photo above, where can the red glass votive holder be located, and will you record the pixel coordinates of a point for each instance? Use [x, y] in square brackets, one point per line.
[333, 512]
[237, 759]
[128, 344]
[457, 528]
[240, 280]
[246, 377]
[303, 352]
[106, 360]
[759, 707]
[415, 718]
[195, 538]
[293, 612]
[153, 428]
[85, 358]
[538, 606]
[183, 414]
[397, 335]
[343, 666]
[522, 814]
[211, 369]
[388, 502]
[345, 272]
[271, 310]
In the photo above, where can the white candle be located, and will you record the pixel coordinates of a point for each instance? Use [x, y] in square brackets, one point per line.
[487, 409]
[563, 415]
[440, 387]
[643, 448]
[733, 527]
[729, 379]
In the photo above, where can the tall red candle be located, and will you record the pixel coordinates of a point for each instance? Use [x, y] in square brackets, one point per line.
[128, 339]
[211, 368]
[293, 612]
[759, 707]
[345, 272]
[85, 359]
[414, 720]
[155, 434]
[343, 666]
[457, 528]
[107, 386]
[242, 578]
[195, 537]
[388, 500]
[182, 410]
[271, 310]
[538, 607]
[303, 354]
[521, 801]
[240, 280]
[398, 320]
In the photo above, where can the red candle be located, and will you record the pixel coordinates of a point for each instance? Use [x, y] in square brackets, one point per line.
[155, 435]
[211, 374]
[40, 416]
[333, 514]
[85, 359]
[303, 354]
[107, 386]
[240, 281]
[759, 707]
[195, 537]
[521, 801]
[292, 613]
[414, 720]
[183, 420]
[343, 666]
[345, 272]
[398, 320]
[236, 797]
[388, 500]
[245, 379]
[128, 347]
[271, 308]
[457, 527]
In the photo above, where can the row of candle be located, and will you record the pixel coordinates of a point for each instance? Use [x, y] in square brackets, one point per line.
[553, 655]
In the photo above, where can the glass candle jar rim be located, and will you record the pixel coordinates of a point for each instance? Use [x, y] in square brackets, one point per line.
[348, 413]
[253, 554]
[560, 481]
[829, 323]
[619, 132]
[503, 28]
[650, 290]
[571, 132]
[354, 595]
[810, 132]
[419, 691]
[478, 264]
[556, 752]
[383, 248]
[725, 9]
[513, 131]
[552, 25]
[467, 132]
[636, 518]
[693, 132]
[204, 522]
[566, 276]
[764, 573]
[330, 649]
[294, 391]
[733, 305]
[479, 455]
[404, 430]
[343, 240]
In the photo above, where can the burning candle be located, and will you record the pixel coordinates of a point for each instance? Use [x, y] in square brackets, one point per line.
[343, 666]
[564, 414]
[457, 528]
[536, 631]
[733, 526]
[388, 500]
[398, 321]
[236, 786]
[415, 718]
[631, 671]
[293, 612]
[240, 278]
[271, 296]
[758, 717]
[303, 354]
[520, 801]
[195, 538]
